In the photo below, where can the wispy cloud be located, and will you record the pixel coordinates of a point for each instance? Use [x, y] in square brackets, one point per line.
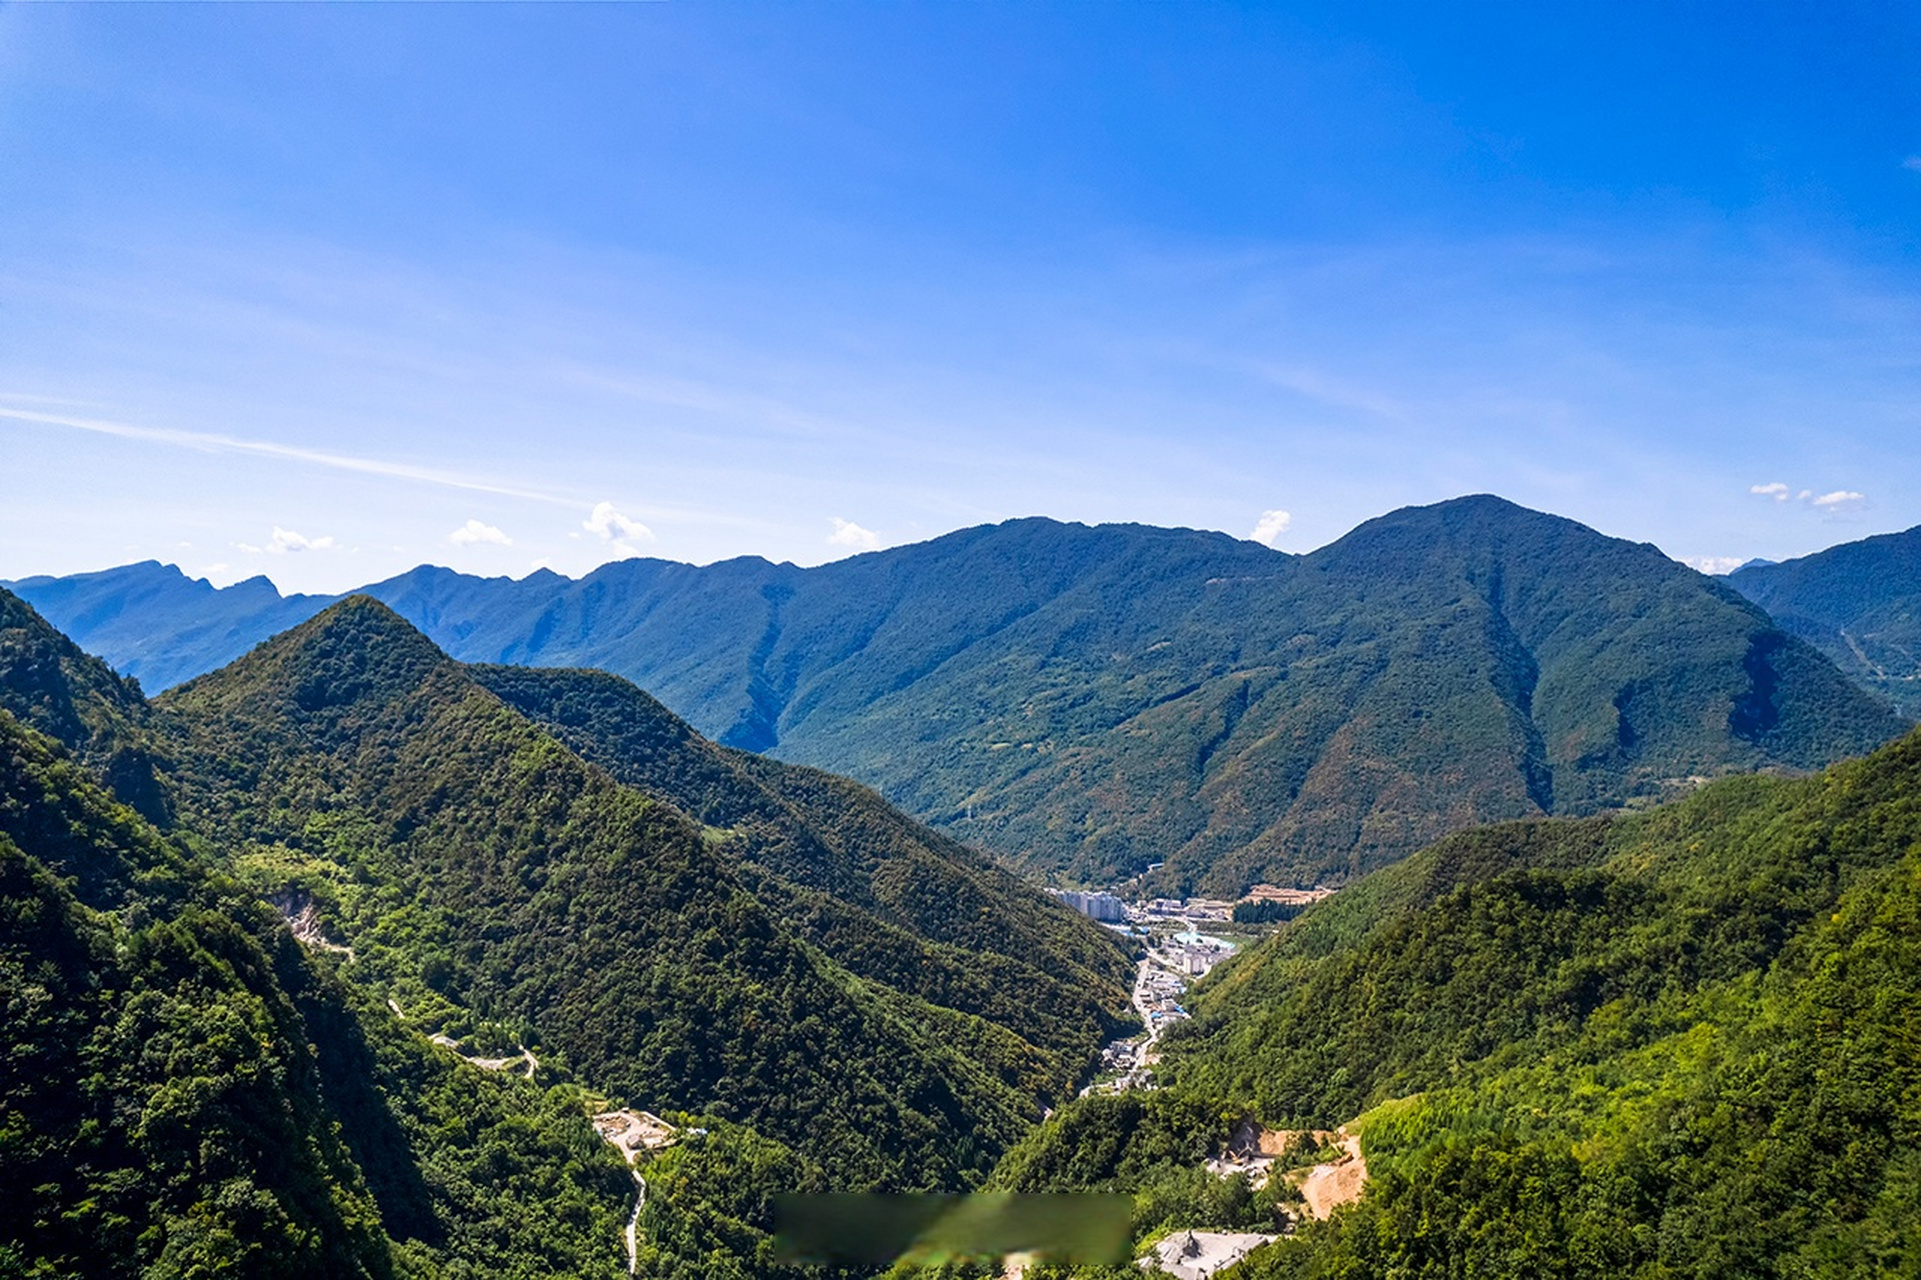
[1778, 491]
[212, 442]
[474, 532]
[1912, 164]
[1337, 392]
[1839, 500]
[848, 534]
[1269, 528]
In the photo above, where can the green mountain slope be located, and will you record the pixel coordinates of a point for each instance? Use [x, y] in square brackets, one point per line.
[1858, 603]
[184, 1093]
[1681, 1043]
[351, 768]
[891, 900]
[1087, 701]
[476, 864]
[50, 685]
[159, 1115]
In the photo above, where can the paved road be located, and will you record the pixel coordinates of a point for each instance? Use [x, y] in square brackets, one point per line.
[633, 1224]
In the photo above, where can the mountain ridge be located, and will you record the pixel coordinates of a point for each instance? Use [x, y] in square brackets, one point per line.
[1090, 700]
[1859, 603]
[463, 875]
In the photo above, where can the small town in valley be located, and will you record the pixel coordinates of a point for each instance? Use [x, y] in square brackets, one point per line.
[1183, 941]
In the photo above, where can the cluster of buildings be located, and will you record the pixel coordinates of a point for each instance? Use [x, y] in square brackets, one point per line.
[1193, 954]
[1178, 953]
[1105, 907]
[1172, 961]
[1111, 908]
[1159, 993]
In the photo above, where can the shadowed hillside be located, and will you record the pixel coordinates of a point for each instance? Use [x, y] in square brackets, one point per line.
[183, 1092]
[1858, 603]
[893, 901]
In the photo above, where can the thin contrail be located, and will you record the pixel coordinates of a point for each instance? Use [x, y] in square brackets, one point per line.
[209, 442]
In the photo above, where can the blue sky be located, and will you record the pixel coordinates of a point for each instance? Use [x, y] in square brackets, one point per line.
[327, 292]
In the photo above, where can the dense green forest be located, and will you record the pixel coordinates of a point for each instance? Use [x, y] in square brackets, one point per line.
[1684, 1043]
[1087, 701]
[190, 1090]
[184, 1092]
[891, 900]
[471, 859]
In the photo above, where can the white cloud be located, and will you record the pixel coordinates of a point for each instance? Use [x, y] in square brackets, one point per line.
[1838, 502]
[1269, 528]
[474, 531]
[286, 541]
[1712, 564]
[848, 534]
[616, 528]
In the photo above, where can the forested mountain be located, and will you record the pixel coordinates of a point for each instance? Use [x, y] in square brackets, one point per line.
[1086, 701]
[1859, 603]
[50, 685]
[1683, 1043]
[891, 900]
[468, 855]
[183, 1092]
[188, 1089]
[1679, 1042]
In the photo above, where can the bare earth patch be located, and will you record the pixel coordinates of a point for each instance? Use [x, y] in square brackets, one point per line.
[633, 1132]
[1326, 1187]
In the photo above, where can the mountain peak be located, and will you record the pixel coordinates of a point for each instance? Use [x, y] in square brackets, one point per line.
[1475, 511]
[1492, 536]
[355, 651]
[360, 623]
